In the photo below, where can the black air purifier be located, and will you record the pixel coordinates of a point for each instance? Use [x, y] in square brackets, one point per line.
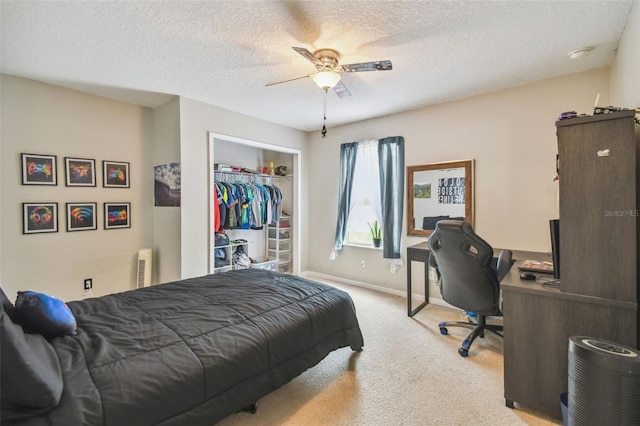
[604, 383]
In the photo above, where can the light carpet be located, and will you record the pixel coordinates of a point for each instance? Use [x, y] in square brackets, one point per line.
[407, 374]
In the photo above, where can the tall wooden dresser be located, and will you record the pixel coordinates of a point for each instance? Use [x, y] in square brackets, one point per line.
[599, 158]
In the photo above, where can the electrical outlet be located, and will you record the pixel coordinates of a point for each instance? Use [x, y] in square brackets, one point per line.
[432, 274]
[362, 264]
[88, 284]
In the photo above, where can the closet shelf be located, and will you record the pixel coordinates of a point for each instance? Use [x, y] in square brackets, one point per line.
[259, 175]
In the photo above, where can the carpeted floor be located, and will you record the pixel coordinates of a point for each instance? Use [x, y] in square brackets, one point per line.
[408, 374]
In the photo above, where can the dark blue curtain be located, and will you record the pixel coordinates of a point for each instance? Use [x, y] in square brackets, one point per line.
[348, 152]
[391, 161]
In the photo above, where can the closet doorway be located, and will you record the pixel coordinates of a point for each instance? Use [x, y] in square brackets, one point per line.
[254, 155]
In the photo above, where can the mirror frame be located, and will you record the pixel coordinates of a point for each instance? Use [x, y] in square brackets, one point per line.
[468, 192]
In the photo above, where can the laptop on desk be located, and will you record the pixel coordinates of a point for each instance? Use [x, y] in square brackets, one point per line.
[540, 266]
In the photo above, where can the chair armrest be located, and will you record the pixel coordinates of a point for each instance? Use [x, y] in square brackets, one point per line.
[432, 264]
[504, 264]
[432, 261]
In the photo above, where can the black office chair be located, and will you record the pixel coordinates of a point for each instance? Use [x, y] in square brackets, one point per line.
[469, 276]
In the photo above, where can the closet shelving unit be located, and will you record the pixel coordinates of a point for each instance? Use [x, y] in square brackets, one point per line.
[229, 250]
[278, 246]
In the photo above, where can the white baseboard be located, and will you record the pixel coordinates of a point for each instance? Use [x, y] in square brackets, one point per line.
[433, 300]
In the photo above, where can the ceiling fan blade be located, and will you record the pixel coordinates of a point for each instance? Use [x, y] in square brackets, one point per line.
[287, 79]
[368, 66]
[308, 55]
[341, 90]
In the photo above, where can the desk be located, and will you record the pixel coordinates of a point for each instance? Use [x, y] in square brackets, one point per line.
[419, 253]
[538, 322]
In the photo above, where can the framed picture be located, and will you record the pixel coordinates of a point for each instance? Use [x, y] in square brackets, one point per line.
[39, 169]
[39, 217]
[81, 216]
[80, 171]
[117, 215]
[115, 174]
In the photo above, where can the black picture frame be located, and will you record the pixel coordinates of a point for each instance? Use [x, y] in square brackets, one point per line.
[115, 174]
[38, 218]
[82, 216]
[80, 171]
[117, 215]
[39, 169]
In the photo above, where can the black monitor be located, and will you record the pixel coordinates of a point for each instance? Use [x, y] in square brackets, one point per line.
[554, 226]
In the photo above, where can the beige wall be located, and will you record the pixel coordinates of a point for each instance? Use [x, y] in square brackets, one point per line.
[43, 119]
[509, 133]
[197, 119]
[625, 69]
[166, 220]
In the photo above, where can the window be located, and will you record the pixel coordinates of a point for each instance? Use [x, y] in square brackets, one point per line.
[365, 200]
[370, 188]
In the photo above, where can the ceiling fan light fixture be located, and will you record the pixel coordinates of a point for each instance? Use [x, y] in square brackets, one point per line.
[326, 79]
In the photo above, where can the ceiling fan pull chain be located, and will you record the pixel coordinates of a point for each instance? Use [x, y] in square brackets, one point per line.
[324, 121]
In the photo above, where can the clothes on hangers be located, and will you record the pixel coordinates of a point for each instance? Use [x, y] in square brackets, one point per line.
[246, 205]
[216, 212]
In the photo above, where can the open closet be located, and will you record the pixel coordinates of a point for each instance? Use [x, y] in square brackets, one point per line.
[259, 229]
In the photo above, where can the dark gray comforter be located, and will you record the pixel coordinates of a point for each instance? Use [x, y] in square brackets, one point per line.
[194, 351]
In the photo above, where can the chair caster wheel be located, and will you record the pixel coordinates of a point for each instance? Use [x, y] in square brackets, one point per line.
[444, 331]
[463, 352]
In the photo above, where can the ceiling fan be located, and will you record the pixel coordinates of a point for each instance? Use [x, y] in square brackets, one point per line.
[328, 69]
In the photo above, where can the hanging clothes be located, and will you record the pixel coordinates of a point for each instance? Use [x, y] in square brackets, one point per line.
[275, 205]
[246, 205]
[216, 209]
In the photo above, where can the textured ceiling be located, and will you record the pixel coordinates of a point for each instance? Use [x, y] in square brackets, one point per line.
[223, 52]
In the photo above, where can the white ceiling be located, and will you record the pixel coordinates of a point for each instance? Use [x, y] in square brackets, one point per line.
[223, 52]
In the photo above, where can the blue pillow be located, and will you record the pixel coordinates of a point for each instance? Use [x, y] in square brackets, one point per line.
[39, 313]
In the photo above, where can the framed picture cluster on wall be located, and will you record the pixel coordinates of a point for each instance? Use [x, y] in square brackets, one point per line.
[42, 217]
[40, 169]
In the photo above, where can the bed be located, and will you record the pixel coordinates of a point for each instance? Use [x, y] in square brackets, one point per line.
[189, 352]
